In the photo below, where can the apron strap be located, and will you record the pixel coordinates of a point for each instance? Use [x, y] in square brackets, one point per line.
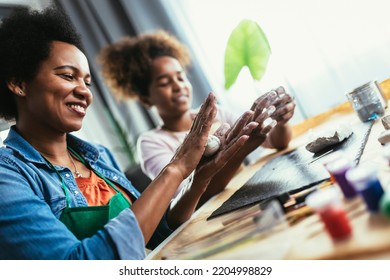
[63, 185]
[96, 172]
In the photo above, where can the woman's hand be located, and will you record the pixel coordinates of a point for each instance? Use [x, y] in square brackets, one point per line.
[263, 109]
[190, 152]
[231, 141]
[285, 107]
[272, 111]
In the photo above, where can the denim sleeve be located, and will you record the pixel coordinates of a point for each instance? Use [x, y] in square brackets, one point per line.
[30, 230]
[127, 236]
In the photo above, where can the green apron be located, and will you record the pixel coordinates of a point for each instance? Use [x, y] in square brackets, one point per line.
[85, 221]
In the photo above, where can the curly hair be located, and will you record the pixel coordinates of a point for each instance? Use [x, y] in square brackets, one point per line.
[25, 42]
[127, 64]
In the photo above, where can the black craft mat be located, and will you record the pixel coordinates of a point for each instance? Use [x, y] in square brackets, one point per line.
[292, 171]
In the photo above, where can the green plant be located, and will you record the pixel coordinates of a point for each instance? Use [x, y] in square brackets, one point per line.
[247, 46]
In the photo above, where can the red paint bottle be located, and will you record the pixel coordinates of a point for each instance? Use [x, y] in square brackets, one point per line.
[327, 203]
[336, 221]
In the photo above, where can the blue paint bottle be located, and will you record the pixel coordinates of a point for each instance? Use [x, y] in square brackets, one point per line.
[365, 181]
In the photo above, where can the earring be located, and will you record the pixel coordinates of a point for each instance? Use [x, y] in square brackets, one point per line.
[20, 92]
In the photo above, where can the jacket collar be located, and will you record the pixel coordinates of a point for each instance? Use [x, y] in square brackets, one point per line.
[17, 143]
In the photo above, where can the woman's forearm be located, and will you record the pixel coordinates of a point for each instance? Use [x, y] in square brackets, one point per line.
[184, 205]
[279, 137]
[155, 199]
[221, 179]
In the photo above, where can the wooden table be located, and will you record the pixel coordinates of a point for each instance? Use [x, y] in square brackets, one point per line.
[305, 239]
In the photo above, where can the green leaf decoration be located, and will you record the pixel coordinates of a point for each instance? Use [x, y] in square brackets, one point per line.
[247, 46]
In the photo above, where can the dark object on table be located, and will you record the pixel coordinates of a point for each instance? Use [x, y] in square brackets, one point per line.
[329, 138]
[293, 171]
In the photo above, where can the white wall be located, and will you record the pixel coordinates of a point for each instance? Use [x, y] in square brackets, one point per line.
[35, 4]
[321, 49]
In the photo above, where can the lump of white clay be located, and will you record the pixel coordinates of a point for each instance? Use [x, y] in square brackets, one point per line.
[384, 137]
[212, 146]
[386, 122]
[329, 138]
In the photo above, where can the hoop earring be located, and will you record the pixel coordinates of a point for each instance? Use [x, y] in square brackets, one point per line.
[20, 92]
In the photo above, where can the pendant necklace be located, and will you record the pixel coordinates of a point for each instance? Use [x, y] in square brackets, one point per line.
[75, 172]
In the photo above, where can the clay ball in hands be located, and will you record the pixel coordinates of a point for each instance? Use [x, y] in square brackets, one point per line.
[212, 146]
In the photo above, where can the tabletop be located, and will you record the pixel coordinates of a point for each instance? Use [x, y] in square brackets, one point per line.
[297, 233]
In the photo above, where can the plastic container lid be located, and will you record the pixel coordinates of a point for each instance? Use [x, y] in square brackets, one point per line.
[339, 165]
[323, 198]
[386, 151]
[359, 176]
[333, 157]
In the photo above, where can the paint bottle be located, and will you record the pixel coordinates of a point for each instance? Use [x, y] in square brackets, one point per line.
[365, 181]
[327, 203]
[338, 169]
[384, 204]
[332, 158]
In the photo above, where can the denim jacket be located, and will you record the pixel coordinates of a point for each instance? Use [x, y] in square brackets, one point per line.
[32, 200]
